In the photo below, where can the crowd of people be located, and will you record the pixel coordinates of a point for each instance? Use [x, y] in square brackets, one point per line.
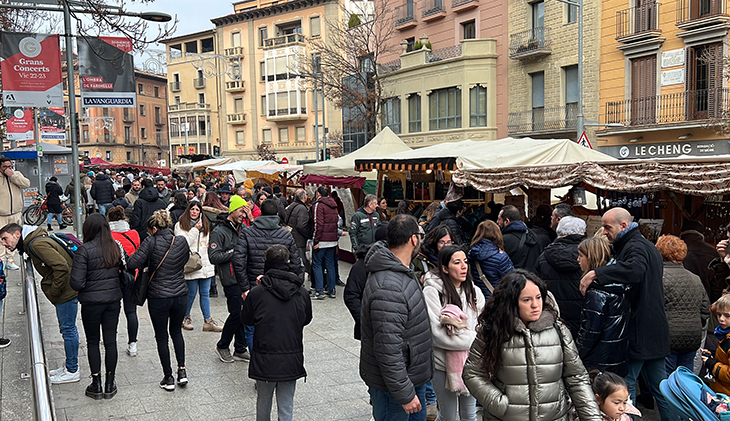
[528, 320]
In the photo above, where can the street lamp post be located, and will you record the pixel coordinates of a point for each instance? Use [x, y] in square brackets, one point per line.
[580, 118]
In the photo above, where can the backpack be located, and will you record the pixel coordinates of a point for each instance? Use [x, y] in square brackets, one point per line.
[69, 242]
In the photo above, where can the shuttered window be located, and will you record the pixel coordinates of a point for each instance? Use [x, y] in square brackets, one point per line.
[643, 90]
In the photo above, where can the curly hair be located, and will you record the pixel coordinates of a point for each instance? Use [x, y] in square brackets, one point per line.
[116, 214]
[160, 220]
[672, 248]
[497, 321]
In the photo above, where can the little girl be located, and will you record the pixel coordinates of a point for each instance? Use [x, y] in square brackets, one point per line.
[612, 394]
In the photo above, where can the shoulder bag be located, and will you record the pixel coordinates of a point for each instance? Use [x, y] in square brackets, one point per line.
[126, 279]
[195, 262]
[484, 279]
[143, 280]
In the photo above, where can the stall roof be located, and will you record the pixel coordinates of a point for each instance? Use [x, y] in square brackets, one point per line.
[239, 165]
[29, 152]
[202, 165]
[470, 154]
[385, 143]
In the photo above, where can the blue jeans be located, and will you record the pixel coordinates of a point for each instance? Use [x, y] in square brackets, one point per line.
[653, 371]
[66, 314]
[386, 408]
[679, 359]
[58, 218]
[328, 255]
[284, 399]
[430, 394]
[104, 207]
[204, 286]
[248, 334]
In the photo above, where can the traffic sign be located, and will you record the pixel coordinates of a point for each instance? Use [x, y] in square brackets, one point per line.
[583, 141]
[284, 160]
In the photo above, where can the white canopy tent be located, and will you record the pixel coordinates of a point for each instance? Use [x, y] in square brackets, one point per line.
[240, 168]
[202, 165]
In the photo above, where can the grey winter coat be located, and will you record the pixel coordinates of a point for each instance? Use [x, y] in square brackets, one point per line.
[297, 217]
[169, 279]
[536, 377]
[395, 327]
[686, 305]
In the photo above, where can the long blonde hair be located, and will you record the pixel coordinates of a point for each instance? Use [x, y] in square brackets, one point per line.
[596, 251]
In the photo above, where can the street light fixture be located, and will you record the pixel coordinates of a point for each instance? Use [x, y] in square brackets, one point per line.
[580, 117]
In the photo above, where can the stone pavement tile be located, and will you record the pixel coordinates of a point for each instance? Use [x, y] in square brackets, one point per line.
[356, 409]
[89, 409]
[16, 402]
[168, 415]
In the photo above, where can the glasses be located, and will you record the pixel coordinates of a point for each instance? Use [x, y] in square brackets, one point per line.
[446, 243]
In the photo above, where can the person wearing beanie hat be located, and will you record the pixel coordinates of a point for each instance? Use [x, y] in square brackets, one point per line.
[700, 255]
[54, 193]
[236, 202]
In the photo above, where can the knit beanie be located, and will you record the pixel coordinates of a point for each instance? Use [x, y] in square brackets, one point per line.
[236, 202]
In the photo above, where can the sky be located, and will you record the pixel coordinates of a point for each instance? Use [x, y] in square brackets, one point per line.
[192, 15]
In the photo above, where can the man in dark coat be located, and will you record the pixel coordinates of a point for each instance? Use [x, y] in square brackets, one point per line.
[54, 193]
[147, 203]
[279, 308]
[448, 216]
[297, 218]
[520, 244]
[102, 191]
[699, 256]
[637, 262]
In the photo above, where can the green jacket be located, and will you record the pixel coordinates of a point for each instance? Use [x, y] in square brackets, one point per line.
[53, 263]
[362, 228]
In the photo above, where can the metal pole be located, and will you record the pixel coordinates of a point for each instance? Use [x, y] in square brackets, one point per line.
[37, 135]
[187, 151]
[316, 118]
[579, 119]
[72, 120]
[324, 124]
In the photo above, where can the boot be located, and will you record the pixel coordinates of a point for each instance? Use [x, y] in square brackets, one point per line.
[94, 390]
[187, 323]
[213, 290]
[110, 388]
[211, 326]
[63, 227]
[50, 228]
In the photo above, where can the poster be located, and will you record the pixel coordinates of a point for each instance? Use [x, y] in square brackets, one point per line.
[30, 65]
[53, 124]
[106, 73]
[19, 124]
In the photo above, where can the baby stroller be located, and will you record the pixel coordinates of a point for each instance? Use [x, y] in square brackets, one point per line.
[685, 392]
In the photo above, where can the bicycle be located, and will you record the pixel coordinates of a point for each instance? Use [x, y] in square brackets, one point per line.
[36, 213]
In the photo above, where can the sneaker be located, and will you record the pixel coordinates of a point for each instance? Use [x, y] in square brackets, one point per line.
[182, 377]
[320, 296]
[168, 383]
[340, 283]
[224, 354]
[12, 265]
[432, 411]
[312, 292]
[57, 371]
[242, 356]
[66, 377]
[332, 294]
[209, 325]
[187, 323]
[132, 349]
[4, 342]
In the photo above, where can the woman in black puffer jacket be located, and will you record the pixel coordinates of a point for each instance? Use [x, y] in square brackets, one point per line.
[167, 296]
[95, 275]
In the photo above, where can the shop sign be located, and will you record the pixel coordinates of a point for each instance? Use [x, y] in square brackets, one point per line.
[668, 150]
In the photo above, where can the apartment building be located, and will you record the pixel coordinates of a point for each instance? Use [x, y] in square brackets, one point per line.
[664, 78]
[543, 68]
[194, 69]
[442, 83]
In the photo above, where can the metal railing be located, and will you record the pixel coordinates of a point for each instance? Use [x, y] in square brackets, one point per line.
[680, 107]
[43, 401]
[284, 40]
[404, 13]
[188, 106]
[128, 117]
[431, 7]
[690, 10]
[175, 86]
[638, 19]
[552, 119]
[199, 82]
[531, 40]
[457, 3]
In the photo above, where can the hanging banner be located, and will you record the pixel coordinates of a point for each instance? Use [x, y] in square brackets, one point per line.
[106, 73]
[30, 65]
[19, 124]
[53, 124]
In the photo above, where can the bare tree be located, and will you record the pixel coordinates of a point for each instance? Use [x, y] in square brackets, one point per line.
[265, 152]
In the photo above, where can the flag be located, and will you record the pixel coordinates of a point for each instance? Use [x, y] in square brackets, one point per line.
[106, 73]
[30, 65]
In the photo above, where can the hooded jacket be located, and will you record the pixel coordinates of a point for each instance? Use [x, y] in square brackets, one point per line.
[558, 267]
[278, 308]
[11, 196]
[251, 247]
[324, 220]
[638, 263]
[223, 237]
[433, 291]
[699, 256]
[396, 352]
[524, 257]
[686, 306]
[54, 193]
[52, 262]
[297, 217]
[169, 279]
[102, 190]
[538, 372]
[494, 264]
[147, 203]
[362, 228]
[603, 339]
[95, 283]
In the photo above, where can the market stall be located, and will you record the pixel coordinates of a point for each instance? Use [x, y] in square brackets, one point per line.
[240, 169]
[202, 165]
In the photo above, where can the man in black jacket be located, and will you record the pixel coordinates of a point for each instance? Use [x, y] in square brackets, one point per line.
[297, 217]
[637, 262]
[520, 244]
[699, 255]
[222, 243]
[102, 191]
[448, 216]
[147, 203]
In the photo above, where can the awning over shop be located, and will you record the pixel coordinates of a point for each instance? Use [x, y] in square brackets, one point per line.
[202, 165]
[342, 182]
[29, 152]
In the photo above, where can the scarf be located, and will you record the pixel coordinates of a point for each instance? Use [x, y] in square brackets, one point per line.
[721, 333]
[454, 320]
[629, 228]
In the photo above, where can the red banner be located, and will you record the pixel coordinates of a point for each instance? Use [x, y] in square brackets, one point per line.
[123, 43]
[31, 70]
[19, 124]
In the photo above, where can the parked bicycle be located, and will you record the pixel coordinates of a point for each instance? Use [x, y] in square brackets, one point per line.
[36, 213]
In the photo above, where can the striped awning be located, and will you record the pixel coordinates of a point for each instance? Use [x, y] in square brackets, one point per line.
[421, 164]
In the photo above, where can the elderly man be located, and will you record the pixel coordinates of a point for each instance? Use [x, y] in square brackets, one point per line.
[561, 211]
[637, 262]
[11, 202]
[364, 223]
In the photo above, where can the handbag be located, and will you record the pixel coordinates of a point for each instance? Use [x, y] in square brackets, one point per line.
[195, 262]
[143, 280]
[125, 278]
[484, 279]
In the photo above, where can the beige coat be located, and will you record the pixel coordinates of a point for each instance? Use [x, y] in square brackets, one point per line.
[536, 378]
[11, 196]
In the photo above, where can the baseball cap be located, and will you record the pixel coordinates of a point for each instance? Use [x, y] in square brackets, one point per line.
[236, 202]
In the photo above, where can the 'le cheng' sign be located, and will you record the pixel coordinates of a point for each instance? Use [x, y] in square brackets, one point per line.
[668, 150]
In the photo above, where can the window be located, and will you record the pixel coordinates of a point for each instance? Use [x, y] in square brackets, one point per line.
[414, 113]
[143, 132]
[109, 156]
[477, 106]
[262, 70]
[301, 134]
[157, 91]
[201, 98]
[538, 100]
[263, 105]
[572, 13]
[142, 110]
[444, 108]
[158, 115]
[315, 28]
[86, 134]
[177, 99]
[127, 134]
[174, 127]
[571, 94]
[159, 155]
[263, 35]
[411, 42]
[240, 138]
[468, 30]
[366, 64]
[202, 124]
[237, 105]
[286, 103]
[266, 136]
[192, 126]
[391, 114]
[206, 45]
[129, 156]
[140, 88]
[317, 132]
[235, 39]
[191, 47]
[538, 14]
[283, 135]
[105, 112]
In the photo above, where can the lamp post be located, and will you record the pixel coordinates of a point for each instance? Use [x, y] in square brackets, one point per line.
[580, 122]
[79, 7]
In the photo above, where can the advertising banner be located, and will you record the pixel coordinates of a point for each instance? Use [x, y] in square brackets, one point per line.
[19, 124]
[53, 124]
[106, 73]
[30, 65]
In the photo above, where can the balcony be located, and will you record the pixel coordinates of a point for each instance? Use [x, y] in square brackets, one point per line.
[159, 121]
[237, 118]
[433, 9]
[233, 52]
[185, 106]
[130, 140]
[458, 6]
[530, 44]
[676, 109]
[127, 117]
[692, 14]
[543, 120]
[235, 86]
[199, 83]
[175, 86]
[404, 16]
[283, 41]
[638, 23]
[287, 114]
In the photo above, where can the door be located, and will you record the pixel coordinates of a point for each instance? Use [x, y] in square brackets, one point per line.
[705, 93]
[643, 90]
